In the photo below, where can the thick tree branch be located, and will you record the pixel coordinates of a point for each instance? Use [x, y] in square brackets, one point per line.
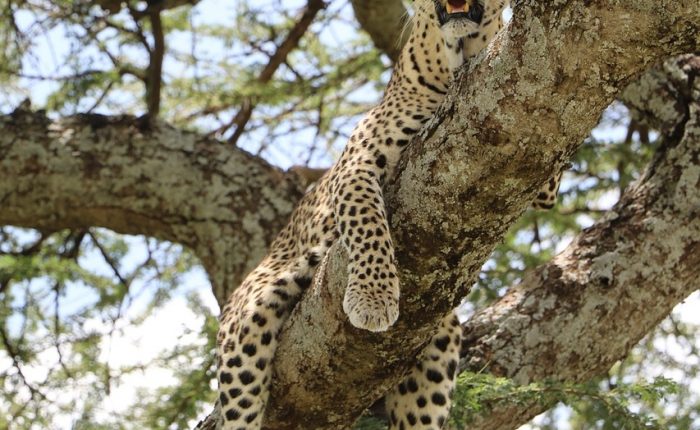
[574, 317]
[117, 173]
[379, 19]
[510, 125]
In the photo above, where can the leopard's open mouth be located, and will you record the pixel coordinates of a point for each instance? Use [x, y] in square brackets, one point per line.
[459, 9]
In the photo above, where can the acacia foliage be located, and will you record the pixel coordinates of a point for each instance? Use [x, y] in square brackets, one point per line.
[66, 296]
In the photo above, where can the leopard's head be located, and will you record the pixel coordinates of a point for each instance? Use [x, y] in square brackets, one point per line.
[453, 20]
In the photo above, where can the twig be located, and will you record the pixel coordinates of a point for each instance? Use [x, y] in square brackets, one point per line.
[290, 43]
[155, 68]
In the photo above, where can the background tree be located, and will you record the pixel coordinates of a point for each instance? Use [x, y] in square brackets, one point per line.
[249, 86]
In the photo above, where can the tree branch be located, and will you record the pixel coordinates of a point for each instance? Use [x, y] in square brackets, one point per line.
[114, 6]
[384, 21]
[507, 127]
[155, 66]
[290, 43]
[574, 317]
[118, 173]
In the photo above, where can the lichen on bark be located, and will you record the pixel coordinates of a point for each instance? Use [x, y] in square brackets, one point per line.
[510, 122]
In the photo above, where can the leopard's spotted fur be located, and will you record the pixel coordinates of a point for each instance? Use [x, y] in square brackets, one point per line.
[347, 205]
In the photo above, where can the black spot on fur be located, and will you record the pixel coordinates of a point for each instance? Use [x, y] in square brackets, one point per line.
[434, 376]
[226, 378]
[250, 418]
[234, 362]
[381, 161]
[249, 349]
[232, 414]
[314, 259]
[451, 369]
[281, 294]
[259, 319]
[412, 385]
[438, 399]
[246, 377]
[442, 343]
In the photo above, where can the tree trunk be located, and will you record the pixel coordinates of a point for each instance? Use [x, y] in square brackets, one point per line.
[574, 317]
[508, 125]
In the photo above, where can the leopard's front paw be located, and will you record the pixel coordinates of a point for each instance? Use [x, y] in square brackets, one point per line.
[372, 306]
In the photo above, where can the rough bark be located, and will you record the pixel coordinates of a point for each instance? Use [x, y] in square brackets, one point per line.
[118, 173]
[574, 317]
[509, 125]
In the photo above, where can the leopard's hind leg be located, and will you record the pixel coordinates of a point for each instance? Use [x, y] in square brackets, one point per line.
[422, 401]
[247, 343]
[255, 313]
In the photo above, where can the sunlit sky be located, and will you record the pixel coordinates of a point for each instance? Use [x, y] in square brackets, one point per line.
[129, 345]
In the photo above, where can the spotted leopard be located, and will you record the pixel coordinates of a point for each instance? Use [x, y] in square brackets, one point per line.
[346, 205]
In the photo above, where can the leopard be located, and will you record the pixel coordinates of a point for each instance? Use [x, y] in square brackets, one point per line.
[346, 206]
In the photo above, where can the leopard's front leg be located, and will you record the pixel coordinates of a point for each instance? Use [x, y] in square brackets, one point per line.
[372, 295]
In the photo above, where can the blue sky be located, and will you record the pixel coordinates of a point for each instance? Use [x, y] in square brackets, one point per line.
[129, 344]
